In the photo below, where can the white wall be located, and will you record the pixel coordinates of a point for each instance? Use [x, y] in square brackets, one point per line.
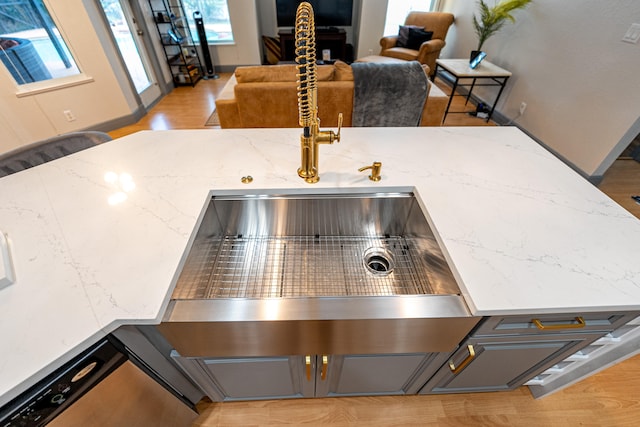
[38, 116]
[580, 82]
[267, 17]
[372, 17]
[246, 49]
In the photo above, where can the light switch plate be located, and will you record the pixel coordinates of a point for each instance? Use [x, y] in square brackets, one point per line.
[7, 274]
[633, 34]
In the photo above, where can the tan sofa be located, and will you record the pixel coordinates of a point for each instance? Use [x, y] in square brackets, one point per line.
[266, 96]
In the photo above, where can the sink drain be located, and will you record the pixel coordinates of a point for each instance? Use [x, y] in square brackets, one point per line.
[378, 261]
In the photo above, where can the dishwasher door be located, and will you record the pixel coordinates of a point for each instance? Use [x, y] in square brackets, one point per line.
[48, 398]
[76, 381]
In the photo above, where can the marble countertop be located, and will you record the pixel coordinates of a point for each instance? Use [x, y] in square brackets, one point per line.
[96, 237]
[461, 68]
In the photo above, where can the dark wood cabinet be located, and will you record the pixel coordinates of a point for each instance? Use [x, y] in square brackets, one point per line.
[334, 40]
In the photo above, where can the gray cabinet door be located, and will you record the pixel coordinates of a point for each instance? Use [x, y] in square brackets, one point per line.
[502, 363]
[376, 374]
[228, 379]
[253, 378]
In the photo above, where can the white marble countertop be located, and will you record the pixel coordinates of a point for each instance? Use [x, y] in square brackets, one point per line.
[96, 237]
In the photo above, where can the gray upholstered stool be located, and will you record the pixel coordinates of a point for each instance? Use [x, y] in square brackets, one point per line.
[50, 149]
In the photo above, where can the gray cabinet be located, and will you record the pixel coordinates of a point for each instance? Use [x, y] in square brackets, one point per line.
[505, 352]
[502, 363]
[377, 374]
[251, 378]
[227, 379]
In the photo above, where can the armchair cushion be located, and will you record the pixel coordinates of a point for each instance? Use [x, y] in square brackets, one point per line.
[417, 36]
[403, 34]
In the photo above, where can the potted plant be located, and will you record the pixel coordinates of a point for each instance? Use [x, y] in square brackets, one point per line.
[492, 19]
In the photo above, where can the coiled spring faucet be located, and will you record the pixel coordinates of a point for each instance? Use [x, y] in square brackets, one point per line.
[307, 80]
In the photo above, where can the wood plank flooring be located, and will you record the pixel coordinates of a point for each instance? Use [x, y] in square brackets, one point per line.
[609, 398]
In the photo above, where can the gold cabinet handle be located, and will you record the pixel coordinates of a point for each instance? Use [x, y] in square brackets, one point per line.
[455, 369]
[308, 363]
[325, 363]
[580, 324]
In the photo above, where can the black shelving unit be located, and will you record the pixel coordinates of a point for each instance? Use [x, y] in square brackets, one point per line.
[177, 43]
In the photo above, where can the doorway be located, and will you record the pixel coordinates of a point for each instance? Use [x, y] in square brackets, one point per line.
[127, 34]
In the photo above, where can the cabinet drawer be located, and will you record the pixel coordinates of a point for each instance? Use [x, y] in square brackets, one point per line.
[494, 363]
[553, 323]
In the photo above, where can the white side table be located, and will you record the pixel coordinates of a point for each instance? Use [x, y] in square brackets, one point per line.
[489, 74]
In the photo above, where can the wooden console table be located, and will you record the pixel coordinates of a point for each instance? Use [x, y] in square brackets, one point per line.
[334, 40]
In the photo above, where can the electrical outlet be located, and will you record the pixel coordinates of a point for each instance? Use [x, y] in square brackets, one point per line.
[523, 106]
[69, 115]
[633, 34]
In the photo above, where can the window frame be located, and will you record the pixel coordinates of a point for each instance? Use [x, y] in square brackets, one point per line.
[54, 83]
[192, 27]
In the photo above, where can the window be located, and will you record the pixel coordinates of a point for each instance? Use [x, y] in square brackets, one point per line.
[31, 46]
[397, 11]
[215, 16]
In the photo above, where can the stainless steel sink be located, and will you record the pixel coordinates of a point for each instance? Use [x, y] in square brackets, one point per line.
[314, 245]
[294, 265]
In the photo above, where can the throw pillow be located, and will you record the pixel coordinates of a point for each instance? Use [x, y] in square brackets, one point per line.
[417, 37]
[342, 71]
[403, 34]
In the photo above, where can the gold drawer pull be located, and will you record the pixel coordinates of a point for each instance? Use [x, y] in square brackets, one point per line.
[308, 363]
[581, 324]
[455, 369]
[323, 372]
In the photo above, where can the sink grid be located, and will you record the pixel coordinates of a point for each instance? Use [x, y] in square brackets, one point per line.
[298, 266]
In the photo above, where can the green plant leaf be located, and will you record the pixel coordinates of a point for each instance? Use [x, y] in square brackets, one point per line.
[492, 19]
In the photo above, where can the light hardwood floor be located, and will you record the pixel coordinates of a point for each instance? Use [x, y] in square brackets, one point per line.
[609, 398]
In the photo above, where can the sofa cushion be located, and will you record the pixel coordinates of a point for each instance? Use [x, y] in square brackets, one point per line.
[417, 36]
[403, 53]
[403, 34]
[276, 104]
[342, 71]
[278, 73]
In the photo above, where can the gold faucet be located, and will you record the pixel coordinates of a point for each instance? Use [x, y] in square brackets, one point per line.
[312, 136]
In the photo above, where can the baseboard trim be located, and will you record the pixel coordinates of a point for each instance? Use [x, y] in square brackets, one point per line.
[502, 120]
[227, 68]
[120, 122]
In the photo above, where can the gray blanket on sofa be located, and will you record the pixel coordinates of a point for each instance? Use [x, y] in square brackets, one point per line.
[388, 94]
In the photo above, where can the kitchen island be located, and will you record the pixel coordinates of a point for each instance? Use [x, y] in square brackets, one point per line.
[97, 237]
